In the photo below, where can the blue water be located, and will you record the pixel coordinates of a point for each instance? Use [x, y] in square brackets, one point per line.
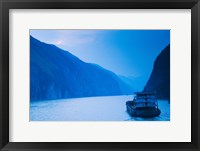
[112, 108]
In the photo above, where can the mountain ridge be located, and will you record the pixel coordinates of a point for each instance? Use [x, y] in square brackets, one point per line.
[159, 79]
[56, 74]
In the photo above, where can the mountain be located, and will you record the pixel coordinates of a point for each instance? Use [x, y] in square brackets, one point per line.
[56, 74]
[130, 81]
[159, 80]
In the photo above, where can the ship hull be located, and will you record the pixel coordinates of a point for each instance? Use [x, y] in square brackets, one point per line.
[142, 112]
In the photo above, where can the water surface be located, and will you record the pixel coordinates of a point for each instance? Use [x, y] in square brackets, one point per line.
[109, 108]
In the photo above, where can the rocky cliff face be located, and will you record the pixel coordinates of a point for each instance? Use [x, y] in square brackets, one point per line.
[159, 80]
[56, 74]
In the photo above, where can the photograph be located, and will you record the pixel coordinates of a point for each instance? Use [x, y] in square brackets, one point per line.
[99, 75]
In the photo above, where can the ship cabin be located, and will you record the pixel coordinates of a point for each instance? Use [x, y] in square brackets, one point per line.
[145, 99]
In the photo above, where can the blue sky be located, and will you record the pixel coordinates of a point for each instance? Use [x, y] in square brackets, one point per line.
[130, 53]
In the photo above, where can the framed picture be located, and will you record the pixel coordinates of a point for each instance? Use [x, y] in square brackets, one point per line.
[91, 75]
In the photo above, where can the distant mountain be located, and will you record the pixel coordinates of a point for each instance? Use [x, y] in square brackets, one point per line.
[56, 74]
[136, 83]
[130, 81]
[159, 80]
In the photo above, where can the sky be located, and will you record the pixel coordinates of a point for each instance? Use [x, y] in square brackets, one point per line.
[130, 53]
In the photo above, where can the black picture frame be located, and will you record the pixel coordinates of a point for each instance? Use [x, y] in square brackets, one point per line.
[5, 5]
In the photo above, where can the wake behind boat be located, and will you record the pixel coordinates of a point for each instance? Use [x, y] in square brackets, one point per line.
[144, 104]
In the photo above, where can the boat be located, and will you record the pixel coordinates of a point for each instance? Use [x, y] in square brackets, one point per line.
[144, 104]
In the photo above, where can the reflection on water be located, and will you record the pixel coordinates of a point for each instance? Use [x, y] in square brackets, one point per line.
[111, 108]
